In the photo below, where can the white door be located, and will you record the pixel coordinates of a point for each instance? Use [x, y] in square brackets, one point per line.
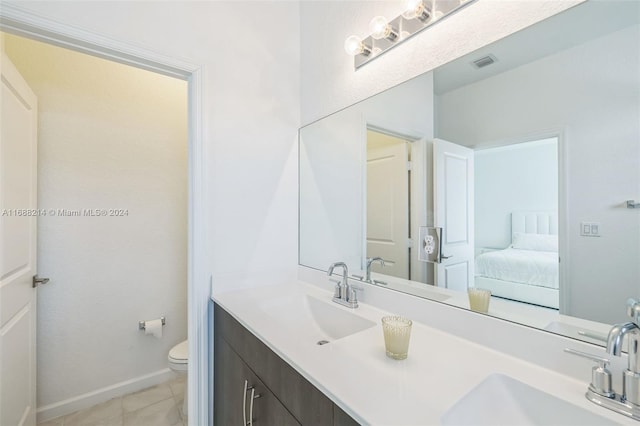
[18, 127]
[388, 208]
[454, 213]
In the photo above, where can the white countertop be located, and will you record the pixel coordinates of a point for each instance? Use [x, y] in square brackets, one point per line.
[355, 373]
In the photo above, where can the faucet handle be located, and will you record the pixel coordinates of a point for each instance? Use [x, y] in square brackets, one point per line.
[602, 362]
[337, 292]
[353, 295]
[633, 310]
[600, 374]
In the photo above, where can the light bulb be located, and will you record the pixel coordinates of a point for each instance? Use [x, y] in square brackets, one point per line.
[353, 45]
[417, 9]
[379, 27]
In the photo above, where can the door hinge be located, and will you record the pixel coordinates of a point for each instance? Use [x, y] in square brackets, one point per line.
[409, 165]
[409, 242]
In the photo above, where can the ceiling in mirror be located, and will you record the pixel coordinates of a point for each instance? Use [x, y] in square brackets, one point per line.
[524, 163]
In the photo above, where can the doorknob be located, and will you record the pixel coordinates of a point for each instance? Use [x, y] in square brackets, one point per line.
[37, 280]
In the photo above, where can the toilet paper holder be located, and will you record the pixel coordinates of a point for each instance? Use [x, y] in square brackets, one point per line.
[142, 324]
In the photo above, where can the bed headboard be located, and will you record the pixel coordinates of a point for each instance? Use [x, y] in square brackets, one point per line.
[534, 223]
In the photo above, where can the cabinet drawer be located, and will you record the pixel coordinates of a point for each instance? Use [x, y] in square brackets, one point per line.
[307, 404]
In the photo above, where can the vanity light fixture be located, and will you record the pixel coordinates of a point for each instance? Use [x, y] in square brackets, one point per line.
[384, 34]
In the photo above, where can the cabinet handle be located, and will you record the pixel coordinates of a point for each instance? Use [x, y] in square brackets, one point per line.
[244, 402]
[253, 396]
[251, 388]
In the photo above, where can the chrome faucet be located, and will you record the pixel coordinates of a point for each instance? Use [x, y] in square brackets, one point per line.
[630, 376]
[600, 391]
[370, 261]
[343, 294]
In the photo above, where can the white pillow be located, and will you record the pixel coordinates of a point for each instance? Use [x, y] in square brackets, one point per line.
[538, 242]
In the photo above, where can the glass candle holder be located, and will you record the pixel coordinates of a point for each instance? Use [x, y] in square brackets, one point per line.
[397, 331]
[479, 299]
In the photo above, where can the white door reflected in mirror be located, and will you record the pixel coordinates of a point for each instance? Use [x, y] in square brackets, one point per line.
[454, 213]
[388, 206]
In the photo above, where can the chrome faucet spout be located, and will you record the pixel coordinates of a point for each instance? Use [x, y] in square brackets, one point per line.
[345, 270]
[369, 263]
[616, 337]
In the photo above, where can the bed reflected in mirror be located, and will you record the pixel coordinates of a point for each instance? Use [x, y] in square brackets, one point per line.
[516, 222]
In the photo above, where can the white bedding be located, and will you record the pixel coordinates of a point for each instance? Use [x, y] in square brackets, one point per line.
[539, 268]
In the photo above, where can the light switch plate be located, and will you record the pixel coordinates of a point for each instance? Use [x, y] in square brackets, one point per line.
[590, 229]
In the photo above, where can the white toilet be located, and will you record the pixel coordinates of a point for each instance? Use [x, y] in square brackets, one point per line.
[179, 362]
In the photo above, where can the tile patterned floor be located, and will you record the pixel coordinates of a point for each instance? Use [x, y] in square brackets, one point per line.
[160, 405]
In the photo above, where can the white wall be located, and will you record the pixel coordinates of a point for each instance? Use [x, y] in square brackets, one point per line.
[110, 137]
[250, 52]
[600, 125]
[519, 177]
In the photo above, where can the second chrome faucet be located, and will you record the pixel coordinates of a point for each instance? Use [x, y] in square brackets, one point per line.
[600, 390]
[370, 263]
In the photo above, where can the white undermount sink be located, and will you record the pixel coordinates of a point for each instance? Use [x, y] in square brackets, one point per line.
[502, 400]
[317, 320]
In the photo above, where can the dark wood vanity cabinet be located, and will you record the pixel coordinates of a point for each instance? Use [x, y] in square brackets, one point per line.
[286, 398]
[239, 385]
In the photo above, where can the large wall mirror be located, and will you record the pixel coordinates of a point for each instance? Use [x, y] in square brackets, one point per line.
[524, 153]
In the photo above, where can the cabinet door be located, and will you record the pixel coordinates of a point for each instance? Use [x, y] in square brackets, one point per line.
[267, 409]
[232, 404]
[230, 375]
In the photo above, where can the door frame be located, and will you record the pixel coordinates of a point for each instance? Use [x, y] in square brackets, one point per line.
[419, 214]
[18, 21]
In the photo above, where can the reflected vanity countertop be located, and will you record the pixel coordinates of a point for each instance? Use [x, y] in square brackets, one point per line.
[355, 373]
[521, 313]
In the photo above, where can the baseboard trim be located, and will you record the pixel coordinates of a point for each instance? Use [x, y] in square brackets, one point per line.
[98, 396]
